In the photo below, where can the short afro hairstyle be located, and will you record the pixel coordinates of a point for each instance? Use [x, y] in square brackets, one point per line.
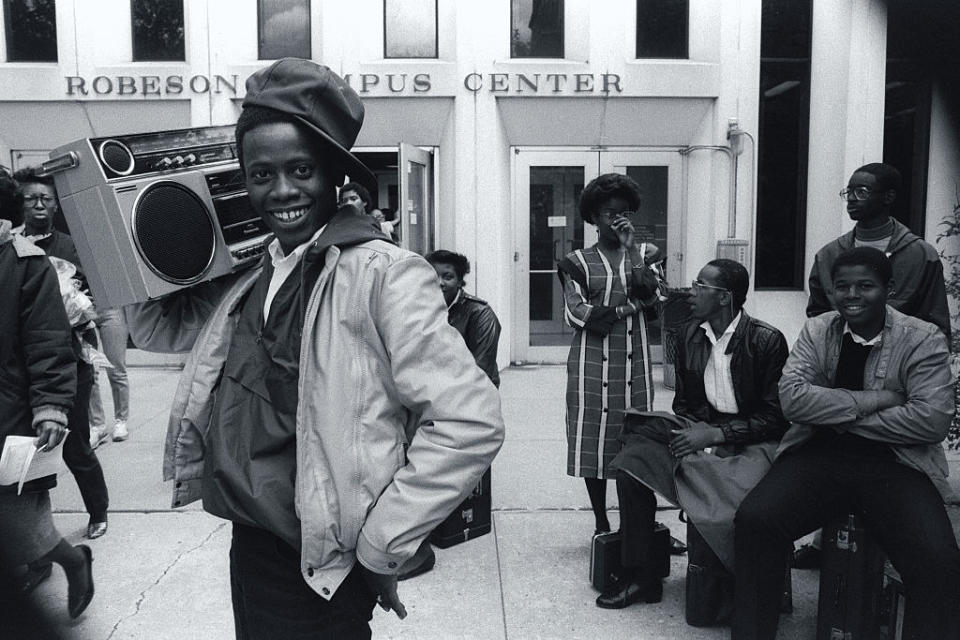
[11, 200]
[887, 175]
[32, 175]
[733, 277]
[458, 261]
[605, 187]
[869, 257]
[361, 192]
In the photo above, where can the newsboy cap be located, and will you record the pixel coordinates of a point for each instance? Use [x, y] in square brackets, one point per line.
[320, 99]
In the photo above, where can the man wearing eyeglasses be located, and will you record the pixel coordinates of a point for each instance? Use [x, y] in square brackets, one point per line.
[917, 271]
[728, 367]
[918, 287]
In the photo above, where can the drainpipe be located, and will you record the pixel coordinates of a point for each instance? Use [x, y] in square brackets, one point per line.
[732, 187]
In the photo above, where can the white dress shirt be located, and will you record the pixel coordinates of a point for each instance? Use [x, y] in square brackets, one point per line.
[283, 266]
[877, 339]
[717, 380]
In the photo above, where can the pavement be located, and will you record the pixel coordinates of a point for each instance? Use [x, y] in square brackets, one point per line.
[163, 573]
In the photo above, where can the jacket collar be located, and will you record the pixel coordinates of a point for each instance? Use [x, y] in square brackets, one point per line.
[902, 237]
[21, 245]
[700, 335]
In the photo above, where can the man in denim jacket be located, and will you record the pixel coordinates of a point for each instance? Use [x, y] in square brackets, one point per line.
[869, 392]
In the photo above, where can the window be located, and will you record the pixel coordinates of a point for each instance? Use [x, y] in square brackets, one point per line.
[31, 30]
[409, 28]
[782, 143]
[157, 30]
[284, 29]
[662, 28]
[536, 28]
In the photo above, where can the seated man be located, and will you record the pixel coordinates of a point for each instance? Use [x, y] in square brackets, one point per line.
[728, 366]
[869, 391]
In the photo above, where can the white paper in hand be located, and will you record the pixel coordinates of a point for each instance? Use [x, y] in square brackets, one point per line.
[22, 462]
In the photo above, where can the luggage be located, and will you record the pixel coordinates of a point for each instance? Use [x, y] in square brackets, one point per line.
[469, 520]
[605, 565]
[709, 586]
[892, 602]
[851, 575]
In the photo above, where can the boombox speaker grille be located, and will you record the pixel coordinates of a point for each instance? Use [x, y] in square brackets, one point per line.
[174, 232]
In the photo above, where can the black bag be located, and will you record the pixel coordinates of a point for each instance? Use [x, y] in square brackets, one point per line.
[605, 565]
[851, 577]
[469, 520]
[709, 588]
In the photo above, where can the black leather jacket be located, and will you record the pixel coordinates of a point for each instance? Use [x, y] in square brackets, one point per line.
[478, 325]
[759, 352]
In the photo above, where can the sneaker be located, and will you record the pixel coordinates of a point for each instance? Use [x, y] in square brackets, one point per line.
[120, 432]
[97, 437]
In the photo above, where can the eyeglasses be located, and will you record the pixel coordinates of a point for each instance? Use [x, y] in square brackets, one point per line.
[697, 285]
[858, 193]
[32, 200]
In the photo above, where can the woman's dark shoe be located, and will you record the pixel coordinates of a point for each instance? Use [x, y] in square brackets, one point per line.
[418, 564]
[625, 593]
[34, 576]
[80, 581]
[677, 548]
[96, 529]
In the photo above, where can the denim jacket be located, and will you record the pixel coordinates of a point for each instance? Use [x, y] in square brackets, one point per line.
[912, 359]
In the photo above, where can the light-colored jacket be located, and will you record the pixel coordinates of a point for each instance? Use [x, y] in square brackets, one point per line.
[377, 355]
[912, 360]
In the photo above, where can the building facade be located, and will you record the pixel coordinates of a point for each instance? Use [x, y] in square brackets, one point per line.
[740, 119]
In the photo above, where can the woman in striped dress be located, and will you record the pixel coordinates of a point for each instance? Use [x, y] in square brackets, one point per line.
[606, 287]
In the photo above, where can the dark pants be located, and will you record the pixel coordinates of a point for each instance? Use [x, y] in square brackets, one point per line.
[77, 454]
[900, 507]
[271, 599]
[638, 509]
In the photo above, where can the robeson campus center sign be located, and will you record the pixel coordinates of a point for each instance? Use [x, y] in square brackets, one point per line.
[363, 83]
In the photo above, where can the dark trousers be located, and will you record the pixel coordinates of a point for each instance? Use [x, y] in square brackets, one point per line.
[900, 507]
[638, 510]
[271, 599]
[77, 454]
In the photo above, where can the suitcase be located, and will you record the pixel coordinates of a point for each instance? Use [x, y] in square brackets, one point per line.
[892, 602]
[605, 566]
[851, 576]
[469, 520]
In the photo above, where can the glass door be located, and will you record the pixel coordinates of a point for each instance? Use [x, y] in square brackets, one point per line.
[547, 186]
[416, 207]
[547, 189]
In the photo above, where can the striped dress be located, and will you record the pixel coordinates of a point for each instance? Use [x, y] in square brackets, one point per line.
[606, 373]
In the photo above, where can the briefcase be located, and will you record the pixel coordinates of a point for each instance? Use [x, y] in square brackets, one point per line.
[469, 520]
[709, 586]
[851, 577]
[605, 565]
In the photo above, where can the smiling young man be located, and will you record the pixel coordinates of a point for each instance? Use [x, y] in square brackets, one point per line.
[870, 395]
[728, 366]
[310, 378]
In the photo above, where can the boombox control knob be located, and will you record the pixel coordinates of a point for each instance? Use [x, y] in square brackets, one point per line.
[177, 161]
[189, 159]
[163, 163]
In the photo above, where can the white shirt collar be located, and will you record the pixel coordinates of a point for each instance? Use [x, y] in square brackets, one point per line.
[276, 253]
[729, 330]
[877, 339]
[455, 300]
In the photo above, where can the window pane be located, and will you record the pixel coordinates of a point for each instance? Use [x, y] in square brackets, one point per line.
[157, 30]
[662, 28]
[410, 28]
[284, 29]
[536, 29]
[782, 143]
[31, 30]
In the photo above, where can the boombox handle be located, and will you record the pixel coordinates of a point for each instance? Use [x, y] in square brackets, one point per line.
[69, 160]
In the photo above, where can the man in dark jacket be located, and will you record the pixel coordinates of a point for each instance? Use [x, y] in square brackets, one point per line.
[918, 288]
[728, 367]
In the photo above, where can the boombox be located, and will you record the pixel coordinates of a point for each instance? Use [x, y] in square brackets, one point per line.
[152, 213]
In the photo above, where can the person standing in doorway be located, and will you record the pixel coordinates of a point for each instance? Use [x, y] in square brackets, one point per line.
[606, 288]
